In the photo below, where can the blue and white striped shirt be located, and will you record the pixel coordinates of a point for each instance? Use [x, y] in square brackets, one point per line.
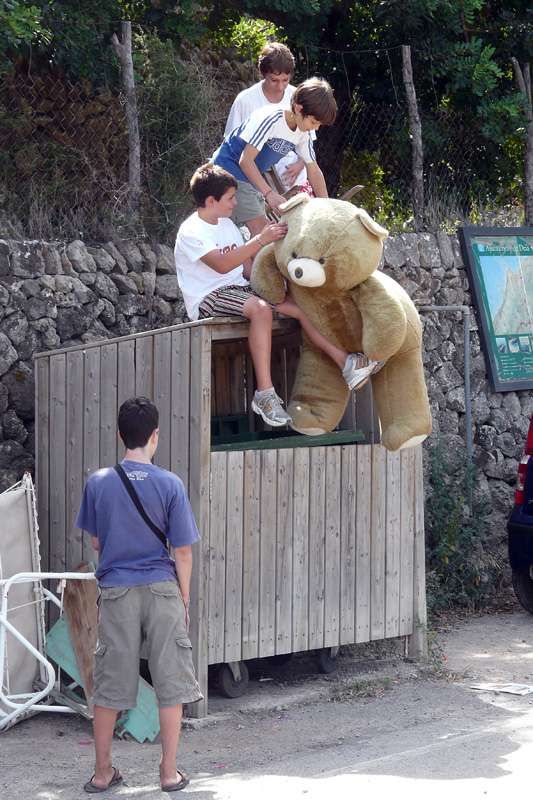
[268, 132]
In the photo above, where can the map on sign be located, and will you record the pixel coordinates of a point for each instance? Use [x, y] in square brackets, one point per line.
[500, 267]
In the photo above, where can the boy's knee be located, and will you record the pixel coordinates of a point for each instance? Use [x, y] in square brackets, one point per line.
[257, 309]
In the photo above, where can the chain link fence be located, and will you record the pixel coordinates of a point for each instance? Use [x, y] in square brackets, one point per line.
[64, 152]
[63, 155]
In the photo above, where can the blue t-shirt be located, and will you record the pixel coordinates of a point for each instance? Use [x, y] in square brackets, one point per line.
[130, 552]
[268, 132]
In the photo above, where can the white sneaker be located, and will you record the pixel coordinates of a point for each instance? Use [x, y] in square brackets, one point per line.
[269, 406]
[358, 369]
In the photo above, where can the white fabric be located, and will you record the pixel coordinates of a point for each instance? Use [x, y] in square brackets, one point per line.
[19, 553]
[249, 101]
[195, 239]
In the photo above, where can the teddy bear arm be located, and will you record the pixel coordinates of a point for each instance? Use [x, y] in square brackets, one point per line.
[384, 319]
[266, 279]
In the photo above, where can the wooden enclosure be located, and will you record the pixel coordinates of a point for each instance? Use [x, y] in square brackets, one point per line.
[307, 542]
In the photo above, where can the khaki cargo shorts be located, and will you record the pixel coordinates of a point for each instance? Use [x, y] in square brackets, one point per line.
[151, 616]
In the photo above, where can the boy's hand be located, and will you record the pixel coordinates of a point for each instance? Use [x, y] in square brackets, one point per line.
[291, 173]
[274, 200]
[273, 231]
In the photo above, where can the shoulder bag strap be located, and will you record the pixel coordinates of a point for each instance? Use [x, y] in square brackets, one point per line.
[138, 505]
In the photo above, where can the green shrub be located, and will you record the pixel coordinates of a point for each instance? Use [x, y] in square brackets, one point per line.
[183, 106]
[459, 571]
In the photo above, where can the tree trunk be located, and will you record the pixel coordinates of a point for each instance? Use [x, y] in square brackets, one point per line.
[123, 53]
[523, 79]
[416, 134]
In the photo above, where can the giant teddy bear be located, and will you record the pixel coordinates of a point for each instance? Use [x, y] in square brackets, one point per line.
[329, 263]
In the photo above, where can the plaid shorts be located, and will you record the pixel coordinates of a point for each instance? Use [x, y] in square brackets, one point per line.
[226, 302]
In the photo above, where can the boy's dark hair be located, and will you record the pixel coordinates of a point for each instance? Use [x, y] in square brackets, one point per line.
[316, 98]
[138, 418]
[275, 58]
[210, 180]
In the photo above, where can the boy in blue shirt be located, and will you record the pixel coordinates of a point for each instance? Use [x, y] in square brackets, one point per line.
[144, 593]
[264, 138]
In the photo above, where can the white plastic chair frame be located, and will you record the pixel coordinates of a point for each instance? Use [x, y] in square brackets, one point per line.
[32, 702]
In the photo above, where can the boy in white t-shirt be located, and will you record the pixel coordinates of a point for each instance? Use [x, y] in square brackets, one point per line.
[276, 67]
[213, 265]
[264, 138]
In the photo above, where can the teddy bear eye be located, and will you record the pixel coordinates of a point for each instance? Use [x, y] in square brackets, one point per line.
[321, 260]
[294, 255]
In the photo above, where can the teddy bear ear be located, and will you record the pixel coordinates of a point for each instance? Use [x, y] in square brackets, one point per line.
[302, 197]
[371, 225]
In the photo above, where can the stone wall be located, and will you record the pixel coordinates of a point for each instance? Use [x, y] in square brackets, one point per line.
[57, 295]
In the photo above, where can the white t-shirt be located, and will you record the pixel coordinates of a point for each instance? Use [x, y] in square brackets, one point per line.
[251, 100]
[195, 239]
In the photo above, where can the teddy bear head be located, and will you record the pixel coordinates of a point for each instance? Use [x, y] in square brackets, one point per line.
[328, 242]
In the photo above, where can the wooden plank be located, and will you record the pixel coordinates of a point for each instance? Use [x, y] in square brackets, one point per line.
[406, 541]
[43, 456]
[126, 370]
[108, 404]
[221, 387]
[362, 544]
[317, 505]
[58, 477]
[279, 373]
[418, 639]
[237, 385]
[144, 366]
[348, 420]
[348, 504]
[81, 614]
[234, 544]
[199, 475]
[284, 552]
[332, 567]
[251, 555]
[292, 360]
[300, 555]
[74, 456]
[392, 545]
[284, 438]
[180, 368]
[226, 329]
[267, 578]
[91, 427]
[377, 548]
[217, 558]
[163, 396]
[366, 416]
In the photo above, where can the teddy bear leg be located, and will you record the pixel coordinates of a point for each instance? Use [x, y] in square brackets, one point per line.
[402, 402]
[319, 395]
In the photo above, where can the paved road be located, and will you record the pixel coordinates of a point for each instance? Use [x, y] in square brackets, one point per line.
[419, 737]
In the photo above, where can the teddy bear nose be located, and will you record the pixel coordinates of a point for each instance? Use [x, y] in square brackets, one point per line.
[306, 272]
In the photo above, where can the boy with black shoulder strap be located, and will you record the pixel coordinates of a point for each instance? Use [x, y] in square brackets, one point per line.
[144, 592]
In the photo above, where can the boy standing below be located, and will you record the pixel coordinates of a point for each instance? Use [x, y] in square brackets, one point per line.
[276, 67]
[213, 265]
[264, 138]
[144, 594]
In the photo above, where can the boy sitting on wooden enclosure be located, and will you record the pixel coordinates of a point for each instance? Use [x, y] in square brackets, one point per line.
[214, 264]
[144, 593]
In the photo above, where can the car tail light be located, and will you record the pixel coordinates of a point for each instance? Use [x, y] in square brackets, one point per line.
[521, 480]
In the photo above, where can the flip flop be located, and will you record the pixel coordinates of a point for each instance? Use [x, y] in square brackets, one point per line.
[175, 787]
[113, 782]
